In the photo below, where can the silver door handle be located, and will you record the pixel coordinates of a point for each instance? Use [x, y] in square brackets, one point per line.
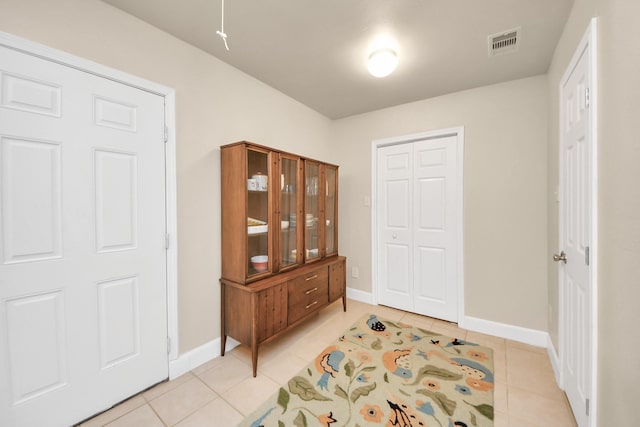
[562, 257]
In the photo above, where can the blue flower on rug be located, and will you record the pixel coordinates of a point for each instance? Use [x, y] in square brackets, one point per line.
[463, 390]
[328, 364]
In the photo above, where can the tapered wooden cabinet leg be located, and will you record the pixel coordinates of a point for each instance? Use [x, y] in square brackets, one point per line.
[254, 358]
[223, 329]
[344, 302]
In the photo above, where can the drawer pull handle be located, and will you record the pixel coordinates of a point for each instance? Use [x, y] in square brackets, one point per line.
[311, 305]
[311, 277]
[311, 291]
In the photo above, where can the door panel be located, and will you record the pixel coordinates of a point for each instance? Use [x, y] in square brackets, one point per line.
[116, 186]
[394, 216]
[435, 230]
[35, 96]
[31, 230]
[82, 251]
[36, 344]
[432, 268]
[119, 324]
[431, 210]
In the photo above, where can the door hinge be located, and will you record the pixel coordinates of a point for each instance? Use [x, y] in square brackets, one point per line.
[587, 255]
[168, 345]
[587, 406]
[166, 134]
[166, 241]
[587, 98]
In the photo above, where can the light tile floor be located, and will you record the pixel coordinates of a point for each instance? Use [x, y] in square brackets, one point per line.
[221, 392]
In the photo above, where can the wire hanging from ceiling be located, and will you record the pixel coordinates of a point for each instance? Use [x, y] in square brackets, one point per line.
[221, 32]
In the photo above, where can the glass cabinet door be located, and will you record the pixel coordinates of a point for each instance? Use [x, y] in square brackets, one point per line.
[288, 211]
[311, 209]
[331, 210]
[258, 227]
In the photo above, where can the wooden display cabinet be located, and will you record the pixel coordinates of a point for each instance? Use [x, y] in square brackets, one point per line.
[280, 261]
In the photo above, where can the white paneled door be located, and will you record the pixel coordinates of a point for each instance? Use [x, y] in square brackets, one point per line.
[418, 226]
[82, 242]
[575, 234]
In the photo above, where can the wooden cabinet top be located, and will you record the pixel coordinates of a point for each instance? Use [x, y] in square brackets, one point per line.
[250, 144]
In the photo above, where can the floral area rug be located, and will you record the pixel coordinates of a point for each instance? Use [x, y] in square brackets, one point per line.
[383, 373]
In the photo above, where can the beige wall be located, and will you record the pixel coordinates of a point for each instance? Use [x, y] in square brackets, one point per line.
[504, 192]
[216, 104]
[618, 194]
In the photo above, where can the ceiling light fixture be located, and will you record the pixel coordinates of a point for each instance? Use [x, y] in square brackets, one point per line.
[382, 62]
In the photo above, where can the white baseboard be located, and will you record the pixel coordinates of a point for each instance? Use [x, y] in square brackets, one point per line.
[358, 295]
[555, 361]
[517, 333]
[196, 357]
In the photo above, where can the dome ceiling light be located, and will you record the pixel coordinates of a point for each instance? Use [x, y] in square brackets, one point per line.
[382, 62]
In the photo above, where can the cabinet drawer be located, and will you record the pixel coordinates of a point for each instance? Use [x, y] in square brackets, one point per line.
[308, 293]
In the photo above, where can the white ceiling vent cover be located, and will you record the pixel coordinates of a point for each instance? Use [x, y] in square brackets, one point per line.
[504, 42]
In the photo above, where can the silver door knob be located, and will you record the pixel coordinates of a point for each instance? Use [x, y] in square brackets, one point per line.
[562, 257]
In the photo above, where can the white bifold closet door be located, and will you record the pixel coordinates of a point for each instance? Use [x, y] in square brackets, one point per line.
[418, 226]
[82, 242]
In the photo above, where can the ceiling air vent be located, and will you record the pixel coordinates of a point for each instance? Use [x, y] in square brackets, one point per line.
[504, 42]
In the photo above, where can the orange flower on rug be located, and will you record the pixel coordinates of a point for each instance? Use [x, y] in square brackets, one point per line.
[383, 373]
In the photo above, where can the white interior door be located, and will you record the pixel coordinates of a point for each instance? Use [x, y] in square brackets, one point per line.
[575, 235]
[419, 225]
[82, 242]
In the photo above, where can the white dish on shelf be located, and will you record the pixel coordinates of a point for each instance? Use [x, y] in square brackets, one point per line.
[257, 229]
[284, 225]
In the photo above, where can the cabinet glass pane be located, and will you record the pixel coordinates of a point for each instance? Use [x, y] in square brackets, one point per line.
[257, 212]
[288, 206]
[330, 210]
[311, 208]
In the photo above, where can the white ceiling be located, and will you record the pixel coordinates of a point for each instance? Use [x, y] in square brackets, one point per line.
[315, 50]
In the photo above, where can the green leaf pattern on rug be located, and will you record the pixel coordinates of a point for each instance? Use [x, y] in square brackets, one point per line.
[435, 372]
[441, 399]
[341, 393]
[300, 420]
[362, 391]
[484, 409]
[349, 368]
[377, 345]
[283, 399]
[301, 387]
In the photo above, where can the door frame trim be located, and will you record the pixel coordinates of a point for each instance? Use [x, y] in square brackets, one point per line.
[458, 132]
[63, 58]
[588, 43]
